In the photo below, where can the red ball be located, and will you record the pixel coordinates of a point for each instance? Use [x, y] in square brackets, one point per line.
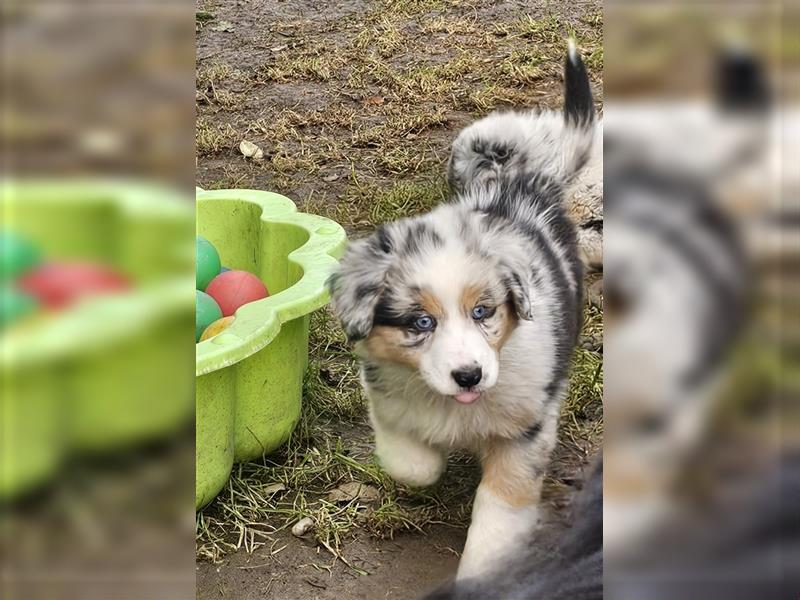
[56, 285]
[233, 289]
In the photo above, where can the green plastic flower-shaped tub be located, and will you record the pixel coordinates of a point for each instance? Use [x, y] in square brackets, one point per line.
[108, 372]
[250, 377]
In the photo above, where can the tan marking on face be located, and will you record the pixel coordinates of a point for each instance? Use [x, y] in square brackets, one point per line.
[470, 297]
[508, 477]
[504, 321]
[508, 322]
[387, 344]
[431, 305]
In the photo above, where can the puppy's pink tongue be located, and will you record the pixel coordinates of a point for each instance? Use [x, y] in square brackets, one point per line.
[467, 397]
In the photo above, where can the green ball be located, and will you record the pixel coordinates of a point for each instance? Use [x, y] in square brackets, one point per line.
[15, 305]
[206, 312]
[208, 263]
[17, 255]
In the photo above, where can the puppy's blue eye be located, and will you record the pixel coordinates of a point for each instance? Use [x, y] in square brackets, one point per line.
[479, 312]
[424, 323]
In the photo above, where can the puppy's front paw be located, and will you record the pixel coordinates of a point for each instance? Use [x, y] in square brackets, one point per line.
[498, 531]
[410, 462]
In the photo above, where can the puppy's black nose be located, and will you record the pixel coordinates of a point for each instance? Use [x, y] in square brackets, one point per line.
[468, 377]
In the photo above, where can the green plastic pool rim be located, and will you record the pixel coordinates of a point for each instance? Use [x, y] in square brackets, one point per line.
[258, 323]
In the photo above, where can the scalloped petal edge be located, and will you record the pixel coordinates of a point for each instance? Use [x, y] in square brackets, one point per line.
[317, 257]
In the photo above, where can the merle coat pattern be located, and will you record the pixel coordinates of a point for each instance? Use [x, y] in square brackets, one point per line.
[465, 318]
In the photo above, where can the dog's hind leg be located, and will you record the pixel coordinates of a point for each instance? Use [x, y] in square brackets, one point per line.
[407, 459]
[506, 509]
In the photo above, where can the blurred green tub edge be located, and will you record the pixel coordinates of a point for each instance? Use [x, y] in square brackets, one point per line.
[107, 373]
[250, 377]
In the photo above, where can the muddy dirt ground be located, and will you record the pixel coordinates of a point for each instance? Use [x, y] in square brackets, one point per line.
[354, 105]
[398, 569]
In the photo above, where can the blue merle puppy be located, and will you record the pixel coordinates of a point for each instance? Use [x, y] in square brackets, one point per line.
[465, 318]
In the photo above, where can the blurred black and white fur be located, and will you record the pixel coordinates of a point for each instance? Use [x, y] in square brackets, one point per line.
[465, 318]
[676, 287]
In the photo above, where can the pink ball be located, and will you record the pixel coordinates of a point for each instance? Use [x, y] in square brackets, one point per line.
[57, 285]
[233, 289]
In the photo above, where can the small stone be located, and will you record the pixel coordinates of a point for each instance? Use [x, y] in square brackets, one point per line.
[250, 150]
[274, 489]
[303, 526]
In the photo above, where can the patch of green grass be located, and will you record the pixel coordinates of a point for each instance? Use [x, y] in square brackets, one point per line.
[404, 199]
[594, 59]
[288, 159]
[419, 82]
[493, 95]
[225, 99]
[212, 73]
[209, 81]
[407, 158]
[582, 411]
[232, 178]
[291, 124]
[317, 63]
[413, 7]
[437, 80]
[590, 41]
[451, 25]
[332, 385]
[312, 68]
[594, 21]
[212, 138]
[399, 124]
[366, 205]
[525, 66]
[548, 29]
[383, 35]
[204, 13]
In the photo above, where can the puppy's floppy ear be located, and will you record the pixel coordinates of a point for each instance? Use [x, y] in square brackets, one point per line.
[359, 283]
[517, 279]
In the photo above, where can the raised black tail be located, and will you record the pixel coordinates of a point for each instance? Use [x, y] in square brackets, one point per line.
[741, 83]
[578, 101]
[529, 143]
